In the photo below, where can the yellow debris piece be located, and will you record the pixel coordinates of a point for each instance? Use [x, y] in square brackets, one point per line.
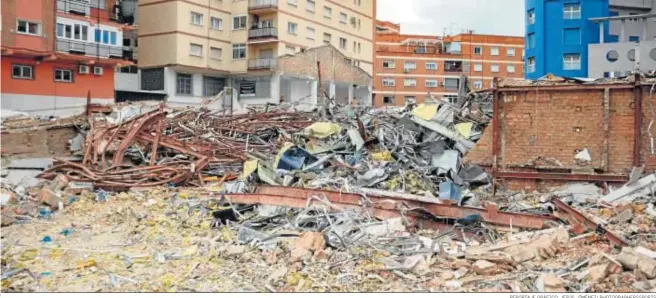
[86, 264]
[382, 156]
[249, 167]
[28, 254]
[322, 130]
[425, 111]
[464, 129]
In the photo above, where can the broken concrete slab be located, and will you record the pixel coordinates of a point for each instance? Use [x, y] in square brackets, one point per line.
[628, 193]
[632, 260]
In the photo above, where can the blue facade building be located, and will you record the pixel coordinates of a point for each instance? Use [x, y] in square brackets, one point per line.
[558, 33]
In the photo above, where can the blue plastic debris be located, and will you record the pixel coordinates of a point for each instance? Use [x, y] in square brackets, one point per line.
[450, 191]
[72, 199]
[294, 159]
[66, 232]
[171, 185]
[45, 273]
[101, 195]
[44, 212]
[46, 239]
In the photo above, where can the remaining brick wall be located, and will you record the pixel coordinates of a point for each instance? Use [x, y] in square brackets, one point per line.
[38, 143]
[543, 130]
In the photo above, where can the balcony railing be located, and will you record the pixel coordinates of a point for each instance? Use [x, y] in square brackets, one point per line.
[80, 7]
[262, 4]
[89, 48]
[262, 33]
[267, 63]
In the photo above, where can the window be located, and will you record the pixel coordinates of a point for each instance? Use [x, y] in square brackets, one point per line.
[327, 12]
[478, 50]
[292, 2]
[342, 17]
[238, 51]
[410, 82]
[27, 27]
[196, 18]
[572, 36]
[355, 46]
[310, 6]
[430, 83]
[494, 67]
[212, 86]
[327, 37]
[291, 28]
[451, 98]
[634, 38]
[494, 51]
[216, 23]
[24, 72]
[431, 65]
[129, 69]
[409, 65]
[183, 84]
[571, 62]
[510, 52]
[453, 66]
[389, 82]
[80, 33]
[389, 64]
[478, 67]
[531, 65]
[478, 84]
[216, 53]
[451, 83]
[112, 37]
[388, 100]
[530, 40]
[152, 79]
[238, 22]
[359, 48]
[571, 11]
[530, 17]
[195, 50]
[310, 33]
[63, 75]
[342, 43]
[510, 68]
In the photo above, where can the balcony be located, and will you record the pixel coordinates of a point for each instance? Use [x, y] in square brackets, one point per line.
[257, 33]
[89, 49]
[262, 5]
[259, 64]
[78, 7]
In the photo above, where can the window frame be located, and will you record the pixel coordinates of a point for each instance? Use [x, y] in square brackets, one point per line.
[292, 2]
[191, 47]
[393, 64]
[530, 40]
[493, 66]
[570, 62]
[192, 14]
[178, 76]
[329, 10]
[530, 67]
[220, 50]
[22, 76]
[311, 30]
[27, 27]
[437, 84]
[390, 102]
[307, 6]
[573, 14]
[479, 83]
[405, 63]
[388, 79]
[345, 18]
[291, 25]
[530, 16]
[239, 16]
[480, 50]
[493, 52]
[431, 63]
[509, 67]
[411, 85]
[330, 38]
[238, 47]
[62, 71]
[219, 21]
[511, 50]
[343, 43]
[480, 67]
[208, 79]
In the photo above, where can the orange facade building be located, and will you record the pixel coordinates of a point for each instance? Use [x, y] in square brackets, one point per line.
[57, 53]
[410, 67]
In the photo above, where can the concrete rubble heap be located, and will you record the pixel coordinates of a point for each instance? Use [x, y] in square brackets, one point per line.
[339, 199]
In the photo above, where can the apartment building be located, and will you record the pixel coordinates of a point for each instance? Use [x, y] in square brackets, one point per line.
[204, 46]
[410, 67]
[56, 54]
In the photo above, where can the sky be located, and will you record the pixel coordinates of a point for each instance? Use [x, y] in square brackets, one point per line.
[431, 17]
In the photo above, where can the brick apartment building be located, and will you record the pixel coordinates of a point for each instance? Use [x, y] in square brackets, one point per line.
[57, 52]
[412, 66]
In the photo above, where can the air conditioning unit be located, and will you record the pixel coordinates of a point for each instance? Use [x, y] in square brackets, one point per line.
[97, 70]
[83, 69]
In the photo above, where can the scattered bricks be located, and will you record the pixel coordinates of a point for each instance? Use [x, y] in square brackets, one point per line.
[553, 283]
[7, 217]
[632, 260]
[59, 183]
[50, 198]
[598, 272]
[483, 267]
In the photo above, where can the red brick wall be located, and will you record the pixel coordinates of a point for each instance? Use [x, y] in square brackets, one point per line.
[557, 124]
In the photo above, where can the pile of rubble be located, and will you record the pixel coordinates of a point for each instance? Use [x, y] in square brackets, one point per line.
[340, 199]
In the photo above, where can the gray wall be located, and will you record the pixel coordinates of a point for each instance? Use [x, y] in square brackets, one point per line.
[645, 56]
